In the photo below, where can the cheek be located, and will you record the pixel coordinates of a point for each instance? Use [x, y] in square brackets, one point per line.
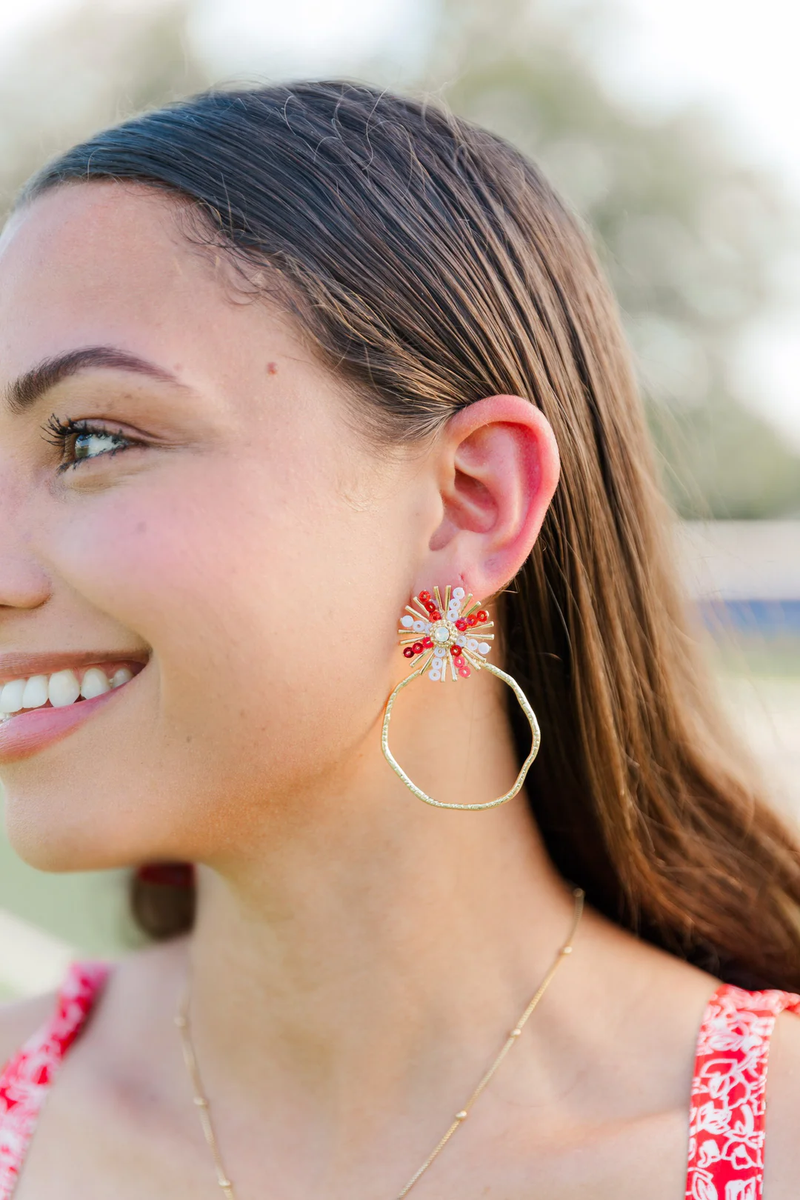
[263, 607]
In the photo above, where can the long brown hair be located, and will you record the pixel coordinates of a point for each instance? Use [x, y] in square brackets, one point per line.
[429, 263]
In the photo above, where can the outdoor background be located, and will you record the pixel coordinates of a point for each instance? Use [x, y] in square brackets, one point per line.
[670, 128]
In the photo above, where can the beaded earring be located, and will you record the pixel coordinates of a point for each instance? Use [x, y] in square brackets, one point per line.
[451, 637]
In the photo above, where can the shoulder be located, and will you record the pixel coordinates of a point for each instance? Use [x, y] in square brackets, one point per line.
[781, 1145]
[21, 1018]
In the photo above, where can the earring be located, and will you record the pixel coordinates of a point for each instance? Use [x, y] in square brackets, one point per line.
[451, 636]
[172, 874]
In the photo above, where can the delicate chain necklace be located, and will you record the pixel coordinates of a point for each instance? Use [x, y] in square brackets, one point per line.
[203, 1108]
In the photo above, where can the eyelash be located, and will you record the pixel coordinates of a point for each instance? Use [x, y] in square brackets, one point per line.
[62, 431]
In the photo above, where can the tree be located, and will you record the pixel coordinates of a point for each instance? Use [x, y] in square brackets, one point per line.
[688, 234]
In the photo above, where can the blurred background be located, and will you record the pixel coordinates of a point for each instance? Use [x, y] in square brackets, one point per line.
[671, 129]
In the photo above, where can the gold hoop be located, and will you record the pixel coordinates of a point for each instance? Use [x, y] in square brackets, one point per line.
[433, 623]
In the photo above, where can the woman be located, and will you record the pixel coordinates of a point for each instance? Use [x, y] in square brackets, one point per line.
[277, 362]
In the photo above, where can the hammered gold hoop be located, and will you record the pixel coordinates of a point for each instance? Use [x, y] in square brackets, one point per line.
[439, 633]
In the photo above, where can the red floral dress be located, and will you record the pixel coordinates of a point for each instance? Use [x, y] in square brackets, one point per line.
[726, 1115]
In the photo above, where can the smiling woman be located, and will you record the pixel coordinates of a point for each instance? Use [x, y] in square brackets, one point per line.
[283, 368]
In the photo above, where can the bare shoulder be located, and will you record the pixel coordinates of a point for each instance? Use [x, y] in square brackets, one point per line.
[20, 1018]
[781, 1144]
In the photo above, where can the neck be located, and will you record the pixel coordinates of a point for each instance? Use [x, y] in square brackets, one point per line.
[362, 910]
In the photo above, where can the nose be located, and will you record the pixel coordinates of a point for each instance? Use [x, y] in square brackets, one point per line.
[24, 582]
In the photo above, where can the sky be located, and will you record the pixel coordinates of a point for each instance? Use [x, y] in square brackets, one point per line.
[738, 56]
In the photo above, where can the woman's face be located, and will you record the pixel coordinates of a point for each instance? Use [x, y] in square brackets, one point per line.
[246, 545]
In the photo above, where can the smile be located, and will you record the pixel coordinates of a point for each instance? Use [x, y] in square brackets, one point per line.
[48, 707]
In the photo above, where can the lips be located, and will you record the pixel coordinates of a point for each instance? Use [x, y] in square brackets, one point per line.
[33, 729]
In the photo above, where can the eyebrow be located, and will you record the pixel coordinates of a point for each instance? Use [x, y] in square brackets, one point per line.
[23, 393]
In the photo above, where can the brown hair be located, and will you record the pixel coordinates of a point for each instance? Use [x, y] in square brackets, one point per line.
[430, 264]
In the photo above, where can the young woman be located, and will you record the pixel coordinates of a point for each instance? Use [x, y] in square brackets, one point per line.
[282, 367]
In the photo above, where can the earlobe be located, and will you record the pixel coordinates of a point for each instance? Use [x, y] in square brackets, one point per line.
[501, 471]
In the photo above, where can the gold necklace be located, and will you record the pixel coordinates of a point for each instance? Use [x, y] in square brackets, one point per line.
[201, 1101]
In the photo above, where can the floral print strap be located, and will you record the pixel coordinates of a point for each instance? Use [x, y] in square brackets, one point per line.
[28, 1075]
[726, 1122]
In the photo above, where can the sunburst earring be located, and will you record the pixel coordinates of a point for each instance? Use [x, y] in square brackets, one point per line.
[451, 638]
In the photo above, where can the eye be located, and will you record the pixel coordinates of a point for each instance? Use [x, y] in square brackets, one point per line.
[84, 440]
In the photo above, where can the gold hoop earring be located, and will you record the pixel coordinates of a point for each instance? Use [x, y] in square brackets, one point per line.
[452, 636]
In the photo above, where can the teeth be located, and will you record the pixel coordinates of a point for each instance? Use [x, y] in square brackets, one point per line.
[94, 683]
[11, 696]
[61, 688]
[35, 693]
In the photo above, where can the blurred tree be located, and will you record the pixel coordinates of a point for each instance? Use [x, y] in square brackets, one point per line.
[688, 233]
[97, 64]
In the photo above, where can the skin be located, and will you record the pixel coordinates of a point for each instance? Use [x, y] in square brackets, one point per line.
[358, 956]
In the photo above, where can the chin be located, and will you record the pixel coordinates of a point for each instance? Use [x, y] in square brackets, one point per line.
[49, 841]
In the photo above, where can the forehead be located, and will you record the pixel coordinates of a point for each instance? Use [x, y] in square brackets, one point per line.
[106, 263]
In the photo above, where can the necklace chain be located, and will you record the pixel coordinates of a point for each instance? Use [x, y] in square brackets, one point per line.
[204, 1108]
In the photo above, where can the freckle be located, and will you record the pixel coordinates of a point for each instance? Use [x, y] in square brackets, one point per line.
[272, 368]
[188, 737]
[141, 527]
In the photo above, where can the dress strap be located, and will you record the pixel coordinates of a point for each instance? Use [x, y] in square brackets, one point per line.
[27, 1076]
[726, 1123]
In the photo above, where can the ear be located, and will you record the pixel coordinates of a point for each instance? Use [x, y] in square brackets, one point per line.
[499, 468]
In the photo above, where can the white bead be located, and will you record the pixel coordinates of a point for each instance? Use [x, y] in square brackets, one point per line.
[461, 640]
[407, 621]
[434, 674]
[459, 593]
[440, 652]
[484, 648]
[472, 644]
[419, 626]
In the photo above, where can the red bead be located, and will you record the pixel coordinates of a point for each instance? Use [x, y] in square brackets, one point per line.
[409, 651]
[427, 642]
[461, 624]
[423, 596]
[435, 614]
[464, 671]
[482, 616]
[472, 620]
[455, 651]
[417, 647]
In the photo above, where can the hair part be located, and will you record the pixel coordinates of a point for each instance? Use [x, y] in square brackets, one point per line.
[429, 263]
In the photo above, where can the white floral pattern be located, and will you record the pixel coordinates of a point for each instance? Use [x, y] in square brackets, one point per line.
[27, 1076]
[726, 1120]
[726, 1123]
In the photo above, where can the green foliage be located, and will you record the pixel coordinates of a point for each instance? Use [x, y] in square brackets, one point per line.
[689, 235]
